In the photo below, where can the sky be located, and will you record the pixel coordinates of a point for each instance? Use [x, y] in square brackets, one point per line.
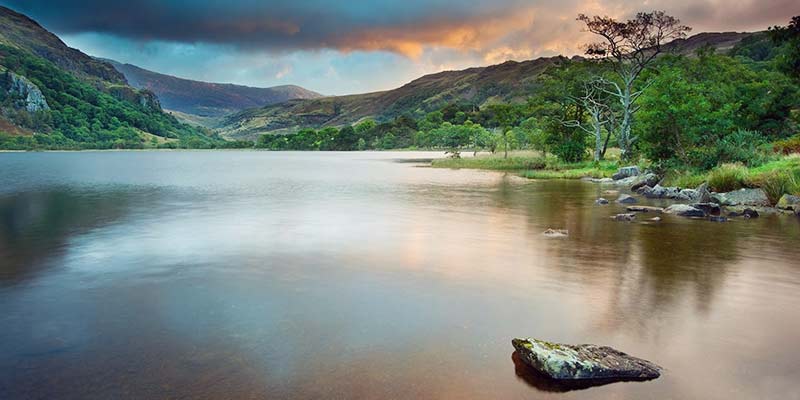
[354, 46]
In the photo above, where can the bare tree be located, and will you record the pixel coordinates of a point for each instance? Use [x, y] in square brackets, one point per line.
[631, 47]
[600, 116]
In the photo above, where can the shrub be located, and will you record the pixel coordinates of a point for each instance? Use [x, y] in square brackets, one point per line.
[727, 177]
[776, 183]
[787, 146]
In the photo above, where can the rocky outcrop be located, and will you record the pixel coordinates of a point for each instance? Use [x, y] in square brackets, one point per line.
[584, 361]
[789, 202]
[684, 210]
[626, 172]
[30, 97]
[744, 197]
[144, 98]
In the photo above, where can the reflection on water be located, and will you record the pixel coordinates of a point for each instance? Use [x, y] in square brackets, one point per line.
[318, 275]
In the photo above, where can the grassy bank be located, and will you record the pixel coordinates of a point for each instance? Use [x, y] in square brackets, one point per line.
[777, 177]
[532, 165]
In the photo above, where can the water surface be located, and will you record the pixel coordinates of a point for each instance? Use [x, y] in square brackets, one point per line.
[234, 274]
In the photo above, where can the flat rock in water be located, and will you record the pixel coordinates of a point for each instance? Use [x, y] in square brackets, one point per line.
[684, 210]
[624, 217]
[584, 361]
[645, 209]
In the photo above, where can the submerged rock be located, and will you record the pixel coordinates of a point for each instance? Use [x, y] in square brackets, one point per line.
[601, 201]
[626, 199]
[684, 210]
[645, 209]
[584, 361]
[747, 213]
[556, 232]
[626, 172]
[717, 218]
[624, 217]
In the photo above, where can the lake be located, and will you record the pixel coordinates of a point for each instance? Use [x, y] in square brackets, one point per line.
[245, 274]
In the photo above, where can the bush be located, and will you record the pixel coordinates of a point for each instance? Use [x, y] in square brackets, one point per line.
[777, 183]
[787, 146]
[727, 177]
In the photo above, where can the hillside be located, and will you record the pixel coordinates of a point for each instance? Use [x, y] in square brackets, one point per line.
[24, 33]
[207, 99]
[507, 82]
[52, 96]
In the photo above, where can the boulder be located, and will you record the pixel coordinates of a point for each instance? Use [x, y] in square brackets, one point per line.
[684, 210]
[660, 192]
[789, 202]
[649, 179]
[686, 195]
[584, 361]
[626, 199]
[645, 209]
[624, 217]
[626, 172]
[702, 194]
[601, 201]
[745, 197]
[708, 208]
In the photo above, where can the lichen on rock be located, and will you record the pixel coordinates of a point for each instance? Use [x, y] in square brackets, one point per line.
[585, 361]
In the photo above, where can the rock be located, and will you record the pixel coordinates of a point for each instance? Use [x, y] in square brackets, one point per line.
[601, 180]
[684, 210]
[745, 197]
[584, 361]
[747, 213]
[556, 232]
[626, 172]
[626, 181]
[624, 217]
[601, 201]
[655, 219]
[611, 192]
[29, 95]
[643, 190]
[626, 199]
[686, 195]
[789, 202]
[703, 195]
[797, 211]
[660, 192]
[648, 179]
[645, 209]
[708, 208]
[717, 218]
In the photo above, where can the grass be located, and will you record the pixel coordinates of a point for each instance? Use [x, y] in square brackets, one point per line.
[532, 165]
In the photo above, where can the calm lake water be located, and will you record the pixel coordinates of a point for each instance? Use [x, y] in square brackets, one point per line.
[225, 275]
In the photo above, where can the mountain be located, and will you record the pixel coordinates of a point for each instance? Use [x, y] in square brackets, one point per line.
[53, 96]
[17, 30]
[207, 99]
[510, 81]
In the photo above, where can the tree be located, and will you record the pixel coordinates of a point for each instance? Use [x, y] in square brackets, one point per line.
[600, 116]
[788, 37]
[630, 47]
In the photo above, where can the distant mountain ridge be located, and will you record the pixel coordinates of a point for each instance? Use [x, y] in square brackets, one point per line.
[206, 99]
[507, 82]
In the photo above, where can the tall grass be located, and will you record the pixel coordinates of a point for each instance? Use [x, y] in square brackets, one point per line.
[727, 177]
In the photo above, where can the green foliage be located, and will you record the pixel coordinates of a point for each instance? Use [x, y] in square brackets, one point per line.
[788, 38]
[727, 177]
[776, 183]
[701, 112]
[787, 146]
[82, 116]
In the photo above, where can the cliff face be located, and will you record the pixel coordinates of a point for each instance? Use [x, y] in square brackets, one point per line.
[25, 92]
